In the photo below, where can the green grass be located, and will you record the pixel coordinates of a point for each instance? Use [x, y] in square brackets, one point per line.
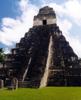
[48, 93]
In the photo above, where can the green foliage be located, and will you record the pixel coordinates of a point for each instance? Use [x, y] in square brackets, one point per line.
[48, 93]
[1, 55]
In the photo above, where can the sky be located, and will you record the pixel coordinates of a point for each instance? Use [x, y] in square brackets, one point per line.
[16, 17]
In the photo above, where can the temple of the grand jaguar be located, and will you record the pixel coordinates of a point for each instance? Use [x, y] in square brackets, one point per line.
[43, 57]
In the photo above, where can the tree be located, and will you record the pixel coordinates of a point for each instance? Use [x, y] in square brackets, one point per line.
[1, 55]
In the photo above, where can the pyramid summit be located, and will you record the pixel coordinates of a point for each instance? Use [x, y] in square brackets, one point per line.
[46, 16]
[43, 57]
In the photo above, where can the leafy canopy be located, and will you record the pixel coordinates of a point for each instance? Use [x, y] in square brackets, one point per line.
[1, 55]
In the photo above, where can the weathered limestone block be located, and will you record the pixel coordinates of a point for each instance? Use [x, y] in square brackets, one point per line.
[14, 84]
[1, 83]
[46, 16]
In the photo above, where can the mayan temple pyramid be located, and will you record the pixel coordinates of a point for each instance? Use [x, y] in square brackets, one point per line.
[43, 57]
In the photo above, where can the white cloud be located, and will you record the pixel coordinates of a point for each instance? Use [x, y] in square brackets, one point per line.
[6, 50]
[70, 8]
[65, 25]
[23, 4]
[73, 8]
[13, 29]
[75, 44]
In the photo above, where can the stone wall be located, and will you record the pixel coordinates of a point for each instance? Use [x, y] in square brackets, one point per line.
[47, 14]
[38, 22]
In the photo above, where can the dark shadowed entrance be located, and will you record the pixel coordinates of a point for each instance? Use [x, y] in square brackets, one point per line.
[44, 22]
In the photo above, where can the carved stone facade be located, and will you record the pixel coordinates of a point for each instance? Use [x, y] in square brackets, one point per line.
[46, 16]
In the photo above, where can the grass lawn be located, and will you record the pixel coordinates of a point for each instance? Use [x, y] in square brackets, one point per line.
[48, 93]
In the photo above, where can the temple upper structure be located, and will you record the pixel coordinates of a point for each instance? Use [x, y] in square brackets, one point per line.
[46, 16]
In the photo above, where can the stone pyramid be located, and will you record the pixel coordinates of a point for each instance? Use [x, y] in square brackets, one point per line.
[43, 57]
